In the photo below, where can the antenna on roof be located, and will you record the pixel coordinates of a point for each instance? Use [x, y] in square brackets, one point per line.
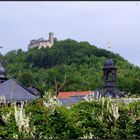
[109, 45]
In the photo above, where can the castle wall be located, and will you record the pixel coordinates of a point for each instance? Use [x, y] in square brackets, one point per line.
[42, 43]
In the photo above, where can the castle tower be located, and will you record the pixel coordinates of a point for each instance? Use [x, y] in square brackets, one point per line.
[51, 37]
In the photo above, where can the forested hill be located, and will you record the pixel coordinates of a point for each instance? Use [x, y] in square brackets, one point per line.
[77, 65]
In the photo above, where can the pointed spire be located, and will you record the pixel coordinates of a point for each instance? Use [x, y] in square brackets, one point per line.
[109, 54]
[109, 63]
[2, 74]
[2, 71]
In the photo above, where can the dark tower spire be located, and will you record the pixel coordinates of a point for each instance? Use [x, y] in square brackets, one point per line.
[109, 73]
[109, 70]
[2, 72]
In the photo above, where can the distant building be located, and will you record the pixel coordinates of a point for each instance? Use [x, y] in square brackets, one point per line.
[11, 91]
[109, 89]
[68, 94]
[69, 98]
[42, 43]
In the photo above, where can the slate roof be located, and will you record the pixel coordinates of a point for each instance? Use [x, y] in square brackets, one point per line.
[71, 100]
[13, 91]
[34, 90]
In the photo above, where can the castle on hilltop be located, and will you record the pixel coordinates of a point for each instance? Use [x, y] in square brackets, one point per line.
[42, 43]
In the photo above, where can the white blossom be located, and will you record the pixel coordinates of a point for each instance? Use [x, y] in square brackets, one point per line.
[22, 121]
[6, 117]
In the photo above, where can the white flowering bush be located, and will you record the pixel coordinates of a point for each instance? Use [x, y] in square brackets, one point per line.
[22, 121]
[50, 101]
[46, 118]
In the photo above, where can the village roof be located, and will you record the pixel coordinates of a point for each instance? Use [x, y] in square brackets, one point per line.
[72, 100]
[34, 90]
[68, 94]
[13, 91]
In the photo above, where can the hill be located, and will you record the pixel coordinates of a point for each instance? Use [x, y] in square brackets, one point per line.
[67, 66]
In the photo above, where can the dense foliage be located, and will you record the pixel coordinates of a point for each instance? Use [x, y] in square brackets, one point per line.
[90, 119]
[75, 65]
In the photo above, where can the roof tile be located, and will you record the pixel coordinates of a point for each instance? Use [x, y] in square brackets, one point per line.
[68, 94]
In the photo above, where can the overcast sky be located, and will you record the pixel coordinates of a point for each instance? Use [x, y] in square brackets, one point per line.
[95, 22]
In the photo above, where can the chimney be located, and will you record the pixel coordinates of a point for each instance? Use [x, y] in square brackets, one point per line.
[51, 37]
